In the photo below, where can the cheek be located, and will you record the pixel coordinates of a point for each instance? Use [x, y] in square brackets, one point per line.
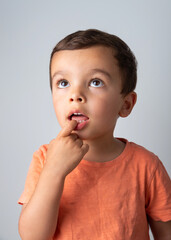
[106, 107]
[58, 107]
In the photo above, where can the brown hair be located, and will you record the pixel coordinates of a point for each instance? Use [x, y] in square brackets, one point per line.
[85, 39]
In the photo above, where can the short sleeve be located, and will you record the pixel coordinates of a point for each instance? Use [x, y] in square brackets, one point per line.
[33, 175]
[159, 195]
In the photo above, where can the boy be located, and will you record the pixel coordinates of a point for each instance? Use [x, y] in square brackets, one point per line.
[85, 184]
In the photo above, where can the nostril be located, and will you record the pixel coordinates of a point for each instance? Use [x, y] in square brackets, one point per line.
[79, 99]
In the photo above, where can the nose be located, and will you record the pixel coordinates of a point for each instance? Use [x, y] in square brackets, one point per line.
[77, 97]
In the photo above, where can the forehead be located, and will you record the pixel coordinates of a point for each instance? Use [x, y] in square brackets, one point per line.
[83, 60]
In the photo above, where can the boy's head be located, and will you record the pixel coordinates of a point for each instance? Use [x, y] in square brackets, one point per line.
[92, 37]
[93, 75]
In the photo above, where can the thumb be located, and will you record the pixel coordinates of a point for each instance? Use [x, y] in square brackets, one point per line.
[68, 128]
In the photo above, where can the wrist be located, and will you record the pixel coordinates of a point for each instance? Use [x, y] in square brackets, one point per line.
[52, 172]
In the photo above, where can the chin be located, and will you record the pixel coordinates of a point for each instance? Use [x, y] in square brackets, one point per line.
[82, 135]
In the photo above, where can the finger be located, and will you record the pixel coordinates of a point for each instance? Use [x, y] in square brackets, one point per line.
[74, 136]
[85, 148]
[79, 142]
[68, 128]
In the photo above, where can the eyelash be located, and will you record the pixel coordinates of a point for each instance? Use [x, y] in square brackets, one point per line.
[60, 81]
[94, 79]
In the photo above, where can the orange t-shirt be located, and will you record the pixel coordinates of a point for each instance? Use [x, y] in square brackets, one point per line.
[109, 200]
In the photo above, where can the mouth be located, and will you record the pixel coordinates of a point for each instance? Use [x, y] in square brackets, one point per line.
[80, 117]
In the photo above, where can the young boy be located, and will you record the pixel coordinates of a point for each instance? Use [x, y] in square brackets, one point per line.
[85, 184]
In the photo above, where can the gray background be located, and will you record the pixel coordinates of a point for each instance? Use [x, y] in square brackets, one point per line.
[28, 32]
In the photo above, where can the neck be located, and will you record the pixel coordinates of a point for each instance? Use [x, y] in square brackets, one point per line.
[103, 149]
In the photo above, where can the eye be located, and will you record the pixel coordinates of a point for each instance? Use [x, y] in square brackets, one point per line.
[63, 83]
[96, 83]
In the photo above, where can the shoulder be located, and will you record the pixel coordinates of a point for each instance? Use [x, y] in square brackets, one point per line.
[42, 150]
[143, 155]
[147, 161]
[144, 160]
[39, 156]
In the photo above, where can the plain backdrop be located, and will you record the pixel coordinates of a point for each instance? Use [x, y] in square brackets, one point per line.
[28, 32]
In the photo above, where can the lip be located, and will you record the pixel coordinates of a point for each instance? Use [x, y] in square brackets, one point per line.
[76, 111]
[80, 125]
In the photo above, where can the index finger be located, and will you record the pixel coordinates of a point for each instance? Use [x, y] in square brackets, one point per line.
[68, 128]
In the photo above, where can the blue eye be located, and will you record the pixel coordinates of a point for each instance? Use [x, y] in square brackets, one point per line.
[63, 84]
[96, 83]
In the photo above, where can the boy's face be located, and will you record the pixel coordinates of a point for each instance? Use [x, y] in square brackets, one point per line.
[87, 81]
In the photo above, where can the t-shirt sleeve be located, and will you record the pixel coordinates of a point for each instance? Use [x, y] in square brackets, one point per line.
[33, 175]
[159, 195]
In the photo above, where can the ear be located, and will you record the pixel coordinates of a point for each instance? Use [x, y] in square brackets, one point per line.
[128, 104]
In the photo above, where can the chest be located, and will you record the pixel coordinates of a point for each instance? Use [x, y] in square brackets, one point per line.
[111, 202]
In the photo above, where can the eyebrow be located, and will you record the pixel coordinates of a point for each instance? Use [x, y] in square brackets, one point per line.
[93, 71]
[102, 71]
[57, 73]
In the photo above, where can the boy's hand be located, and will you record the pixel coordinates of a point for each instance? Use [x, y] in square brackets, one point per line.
[66, 150]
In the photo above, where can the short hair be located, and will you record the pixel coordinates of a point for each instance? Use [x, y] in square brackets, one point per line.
[91, 37]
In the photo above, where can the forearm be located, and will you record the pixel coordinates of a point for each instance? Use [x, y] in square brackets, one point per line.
[38, 220]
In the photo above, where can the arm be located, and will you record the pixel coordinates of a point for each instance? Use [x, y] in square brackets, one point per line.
[161, 230]
[38, 219]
